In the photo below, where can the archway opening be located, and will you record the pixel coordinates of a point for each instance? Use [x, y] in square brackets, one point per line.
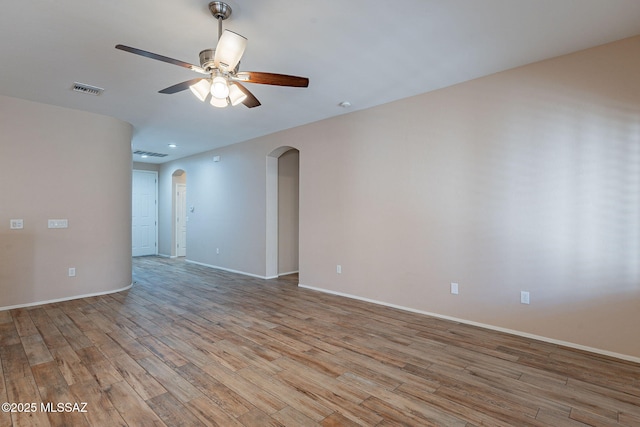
[282, 212]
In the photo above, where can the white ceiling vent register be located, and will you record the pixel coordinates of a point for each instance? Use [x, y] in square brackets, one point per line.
[149, 153]
[88, 89]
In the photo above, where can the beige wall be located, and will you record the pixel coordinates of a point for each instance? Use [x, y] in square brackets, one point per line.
[146, 166]
[57, 163]
[228, 198]
[528, 179]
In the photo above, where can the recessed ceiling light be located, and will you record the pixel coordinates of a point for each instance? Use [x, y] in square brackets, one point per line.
[173, 145]
[344, 104]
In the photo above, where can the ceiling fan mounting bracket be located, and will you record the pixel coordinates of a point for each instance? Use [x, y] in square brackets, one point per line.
[220, 10]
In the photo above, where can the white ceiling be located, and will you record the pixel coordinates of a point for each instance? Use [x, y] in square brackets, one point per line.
[365, 52]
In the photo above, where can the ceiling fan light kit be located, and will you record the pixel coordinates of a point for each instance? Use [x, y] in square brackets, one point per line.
[219, 87]
[236, 96]
[201, 89]
[221, 66]
[219, 102]
[229, 50]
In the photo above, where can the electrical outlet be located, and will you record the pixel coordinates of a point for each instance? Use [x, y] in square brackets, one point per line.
[454, 288]
[217, 251]
[524, 297]
[72, 272]
[339, 269]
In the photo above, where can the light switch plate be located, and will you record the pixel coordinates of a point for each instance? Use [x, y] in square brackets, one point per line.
[16, 224]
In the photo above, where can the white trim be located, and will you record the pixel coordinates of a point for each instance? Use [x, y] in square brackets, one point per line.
[31, 304]
[483, 325]
[229, 270]
[156, 203]
[271, 217]
[287, 273]
[167, 256]
[179, 186]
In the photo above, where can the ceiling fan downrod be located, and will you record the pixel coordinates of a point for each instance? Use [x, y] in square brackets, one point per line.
[221, 11]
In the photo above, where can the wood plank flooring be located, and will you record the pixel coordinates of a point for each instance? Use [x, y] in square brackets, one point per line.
[189, 346]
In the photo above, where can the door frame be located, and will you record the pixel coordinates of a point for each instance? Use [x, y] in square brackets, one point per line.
[155, 174]
[183, 214]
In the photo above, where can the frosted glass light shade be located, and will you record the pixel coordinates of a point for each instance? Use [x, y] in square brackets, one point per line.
[218, 102]
[229, 50]
[201, 89]
[236, 96]
[219, 88]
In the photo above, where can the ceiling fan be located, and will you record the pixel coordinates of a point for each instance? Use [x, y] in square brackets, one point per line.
[223, 81]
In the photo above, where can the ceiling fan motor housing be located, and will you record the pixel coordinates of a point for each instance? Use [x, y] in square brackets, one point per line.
[206, 59]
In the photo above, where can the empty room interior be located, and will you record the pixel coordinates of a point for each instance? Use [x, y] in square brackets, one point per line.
[252, 213]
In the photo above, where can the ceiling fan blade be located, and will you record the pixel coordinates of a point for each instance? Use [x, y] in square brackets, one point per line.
[251, 101]
[272, 79]
[161, 58]
[229, 50]
[180, 86]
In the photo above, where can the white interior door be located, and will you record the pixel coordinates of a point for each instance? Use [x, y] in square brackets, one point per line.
[181, 220]
[144, 207]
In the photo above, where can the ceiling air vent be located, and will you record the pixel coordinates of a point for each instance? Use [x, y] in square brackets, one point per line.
[88, 89]
[149, 153]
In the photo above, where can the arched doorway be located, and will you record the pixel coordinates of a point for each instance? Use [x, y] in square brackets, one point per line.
[282, 211]
[179, 213]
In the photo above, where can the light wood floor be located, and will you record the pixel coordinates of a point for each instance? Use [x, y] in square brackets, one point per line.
[189, 345]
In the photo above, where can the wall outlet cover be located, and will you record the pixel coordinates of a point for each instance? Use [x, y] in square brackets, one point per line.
[454, 288]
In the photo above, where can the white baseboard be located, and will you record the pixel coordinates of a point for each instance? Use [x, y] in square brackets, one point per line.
[287, 273]
[244, 273]
[95, 294]
[483, 325]
[167, 256]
